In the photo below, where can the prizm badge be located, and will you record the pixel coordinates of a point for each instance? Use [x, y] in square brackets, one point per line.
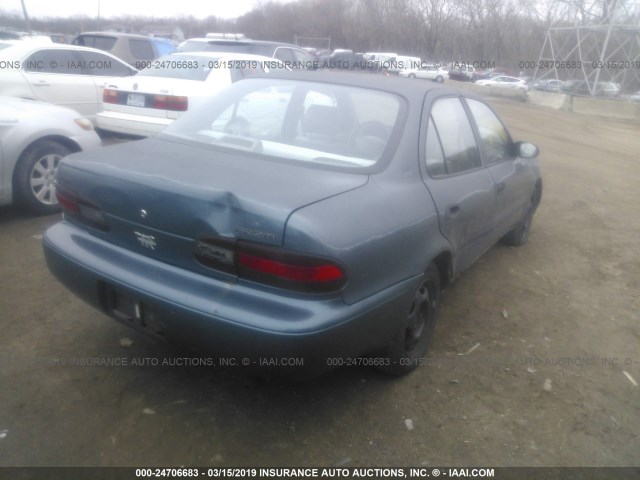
[147, 241]
[255, 233]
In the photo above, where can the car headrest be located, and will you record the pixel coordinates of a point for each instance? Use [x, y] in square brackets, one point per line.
[323, 120]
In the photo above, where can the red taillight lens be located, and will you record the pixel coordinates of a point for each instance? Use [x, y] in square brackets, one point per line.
[109, 96]
[169, 102]
[82, 210]
[298, 273]
[160, 102]
[67, 203]
[271, 266]
[178, 104]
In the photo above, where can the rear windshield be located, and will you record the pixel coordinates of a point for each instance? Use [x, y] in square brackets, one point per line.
[296, 120]
[185, 67]
[227, 47]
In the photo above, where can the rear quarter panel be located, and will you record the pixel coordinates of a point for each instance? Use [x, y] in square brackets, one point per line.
[383, 233]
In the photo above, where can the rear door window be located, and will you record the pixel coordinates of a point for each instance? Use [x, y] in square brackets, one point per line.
[459, 146]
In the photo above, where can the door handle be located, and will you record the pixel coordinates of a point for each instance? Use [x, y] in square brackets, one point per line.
[500, 186]
[452, 212]
[41, 83]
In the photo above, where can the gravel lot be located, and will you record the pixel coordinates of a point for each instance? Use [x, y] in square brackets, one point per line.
[550, 328]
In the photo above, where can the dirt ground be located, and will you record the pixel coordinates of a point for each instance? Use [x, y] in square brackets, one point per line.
[550, 328]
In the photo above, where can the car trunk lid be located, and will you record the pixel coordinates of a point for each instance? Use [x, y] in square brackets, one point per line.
[148, 96]
[158, 196]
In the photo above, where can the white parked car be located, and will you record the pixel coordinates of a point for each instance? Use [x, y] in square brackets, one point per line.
[429, 72]
[34, 137]
[504, 81]
[634, 97]
[146, 103]
[65, 75]
[402, 62]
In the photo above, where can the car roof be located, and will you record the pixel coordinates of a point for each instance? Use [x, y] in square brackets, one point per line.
[414, 91]
[241, 41]
[121, 35]
[210, 54]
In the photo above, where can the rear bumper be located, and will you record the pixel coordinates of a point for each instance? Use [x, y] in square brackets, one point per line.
[129, 124]
[226, 318]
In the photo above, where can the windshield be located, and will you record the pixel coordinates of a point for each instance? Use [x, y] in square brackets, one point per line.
[296, 120]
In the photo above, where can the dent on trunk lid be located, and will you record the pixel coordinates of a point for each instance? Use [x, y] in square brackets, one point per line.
[190, 191]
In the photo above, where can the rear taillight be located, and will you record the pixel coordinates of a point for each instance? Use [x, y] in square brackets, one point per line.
[178, 104]
[109, 96]
[67, 203]
[169, 102]
[271, 266]
[160, 102]
[82, 210]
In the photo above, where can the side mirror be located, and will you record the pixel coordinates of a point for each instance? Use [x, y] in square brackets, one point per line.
[525, 150]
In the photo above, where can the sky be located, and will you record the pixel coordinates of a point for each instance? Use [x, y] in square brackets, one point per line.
[115, 8]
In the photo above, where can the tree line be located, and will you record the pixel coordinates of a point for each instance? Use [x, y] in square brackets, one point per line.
[506, 32]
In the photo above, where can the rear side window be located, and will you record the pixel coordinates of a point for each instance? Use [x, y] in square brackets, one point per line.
[433, 151]
[96, 41]
[456, 136]
[141, 49]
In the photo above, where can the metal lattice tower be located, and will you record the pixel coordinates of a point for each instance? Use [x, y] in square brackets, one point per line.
[595, 42]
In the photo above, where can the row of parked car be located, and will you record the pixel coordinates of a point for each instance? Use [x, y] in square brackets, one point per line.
[233, 229]
[123, 83]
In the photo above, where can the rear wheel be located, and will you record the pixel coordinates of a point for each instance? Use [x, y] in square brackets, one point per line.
[412, 75]
[409, 346]
[439, 79]
[35, 188]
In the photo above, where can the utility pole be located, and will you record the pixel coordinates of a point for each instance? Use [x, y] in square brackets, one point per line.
[26, 17]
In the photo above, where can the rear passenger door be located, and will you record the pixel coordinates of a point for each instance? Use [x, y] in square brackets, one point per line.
[102, 68]
[56, 76]
[510, 173]
[461, 187]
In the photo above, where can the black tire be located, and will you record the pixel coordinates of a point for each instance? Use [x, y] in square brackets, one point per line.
[520, 233]
[410, 345]
[439, 79]
[34, 177]
[412, 75]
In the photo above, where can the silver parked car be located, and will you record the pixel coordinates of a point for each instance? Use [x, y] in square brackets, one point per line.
[34, 137]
